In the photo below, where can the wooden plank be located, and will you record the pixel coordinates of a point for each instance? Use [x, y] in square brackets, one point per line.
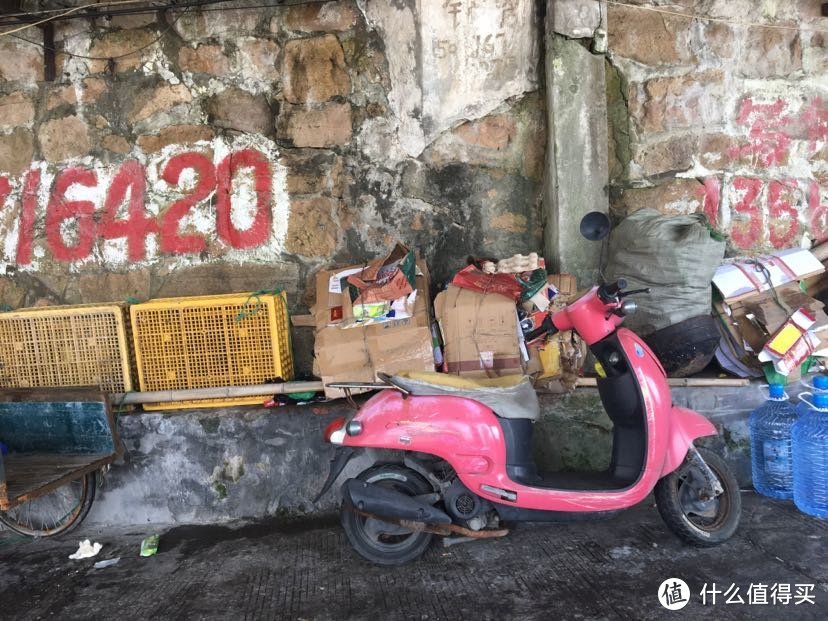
[820, 251]
[32, 476]
[694, 382]
[707, 382]
[52, 394]
[303, 321]
[225, 392]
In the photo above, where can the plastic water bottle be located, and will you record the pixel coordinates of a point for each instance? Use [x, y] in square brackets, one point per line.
[810, 457]
[770, 443]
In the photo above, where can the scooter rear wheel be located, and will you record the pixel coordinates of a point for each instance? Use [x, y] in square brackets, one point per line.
[381, 542]
[699, 522]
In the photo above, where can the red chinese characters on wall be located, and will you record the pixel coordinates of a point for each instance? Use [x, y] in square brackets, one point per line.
[123, 213]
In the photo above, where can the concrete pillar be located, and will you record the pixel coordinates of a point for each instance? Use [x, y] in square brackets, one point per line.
[577, 168]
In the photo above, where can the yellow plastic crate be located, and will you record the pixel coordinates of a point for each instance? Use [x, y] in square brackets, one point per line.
[58, 346]
[238, 339]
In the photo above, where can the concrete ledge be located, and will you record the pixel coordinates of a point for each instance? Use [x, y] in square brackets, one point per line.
[215, 465]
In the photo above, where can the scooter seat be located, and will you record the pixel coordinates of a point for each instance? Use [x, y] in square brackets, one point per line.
[510, 396]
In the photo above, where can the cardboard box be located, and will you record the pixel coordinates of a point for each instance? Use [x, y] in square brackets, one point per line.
[480, 333]
[751, 320]
[564, 283]
[358, 352]
[742, 279]
[334, 305]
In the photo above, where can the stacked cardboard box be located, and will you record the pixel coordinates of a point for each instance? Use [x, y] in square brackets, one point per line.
[347, 350]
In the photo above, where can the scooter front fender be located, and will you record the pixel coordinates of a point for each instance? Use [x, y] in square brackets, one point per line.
[686, 426]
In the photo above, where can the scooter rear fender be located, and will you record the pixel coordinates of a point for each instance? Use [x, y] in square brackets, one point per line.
[687, 425]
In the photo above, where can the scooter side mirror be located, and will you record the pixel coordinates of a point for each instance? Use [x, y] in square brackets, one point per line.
[595, 226]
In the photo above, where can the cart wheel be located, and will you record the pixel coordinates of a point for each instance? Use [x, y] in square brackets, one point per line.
[55, 513]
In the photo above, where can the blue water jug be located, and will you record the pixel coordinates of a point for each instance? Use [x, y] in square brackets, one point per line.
[819, 385]
[770, 444]
[809, 438]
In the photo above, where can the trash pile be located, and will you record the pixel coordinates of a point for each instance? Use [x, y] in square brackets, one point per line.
[764, 321]
[377, 318]
[766, 315]
[373, 317]
[488, 312]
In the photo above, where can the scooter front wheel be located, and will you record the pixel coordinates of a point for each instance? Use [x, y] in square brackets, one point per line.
[699, 521]
[382, 542]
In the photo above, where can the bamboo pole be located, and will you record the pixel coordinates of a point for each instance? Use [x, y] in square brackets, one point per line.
[226, 392]
[167, 396]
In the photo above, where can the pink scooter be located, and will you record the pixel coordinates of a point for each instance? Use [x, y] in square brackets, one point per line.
[462, 462]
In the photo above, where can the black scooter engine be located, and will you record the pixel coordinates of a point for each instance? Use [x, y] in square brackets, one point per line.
[463, 504]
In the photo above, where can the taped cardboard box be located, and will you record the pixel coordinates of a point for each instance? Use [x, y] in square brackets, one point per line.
[357, 354]
[480, 333]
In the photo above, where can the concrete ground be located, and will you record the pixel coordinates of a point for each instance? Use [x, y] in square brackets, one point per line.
[266, 570]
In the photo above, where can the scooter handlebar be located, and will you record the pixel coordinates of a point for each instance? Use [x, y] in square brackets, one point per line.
[610, 290]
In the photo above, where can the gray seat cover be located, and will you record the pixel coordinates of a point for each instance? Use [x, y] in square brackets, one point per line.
[518, 401]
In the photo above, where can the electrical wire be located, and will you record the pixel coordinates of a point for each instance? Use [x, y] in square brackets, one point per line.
[94, 11]
[49, 11]
[721, 20]
[67, 12]
[184, 8]
[110, 58]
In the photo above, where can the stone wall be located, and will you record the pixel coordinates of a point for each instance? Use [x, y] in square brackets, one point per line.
[220, 149]
[722, 117]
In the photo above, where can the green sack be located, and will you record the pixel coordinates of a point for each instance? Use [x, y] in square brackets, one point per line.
[675, 256]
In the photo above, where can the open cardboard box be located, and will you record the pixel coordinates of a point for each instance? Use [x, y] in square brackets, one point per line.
[751, 320]
[358, 352]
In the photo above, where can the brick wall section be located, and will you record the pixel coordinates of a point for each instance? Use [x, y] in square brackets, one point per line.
[304, 80]
[723, 118]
